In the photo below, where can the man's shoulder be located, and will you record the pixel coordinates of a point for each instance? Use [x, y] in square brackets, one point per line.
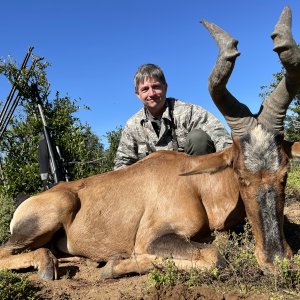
[179, 105]
[136, 118]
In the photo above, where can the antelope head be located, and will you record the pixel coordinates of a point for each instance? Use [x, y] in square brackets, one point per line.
[259, 154]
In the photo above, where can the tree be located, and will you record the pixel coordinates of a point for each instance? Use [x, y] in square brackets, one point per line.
[292, 128]
[113, 138]
[81, 148]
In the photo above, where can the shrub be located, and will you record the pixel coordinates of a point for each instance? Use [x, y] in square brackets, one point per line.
[13, 286]
[294, 176]
[7, 208]
[168, 275]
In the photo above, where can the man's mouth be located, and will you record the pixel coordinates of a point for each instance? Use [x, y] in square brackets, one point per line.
[151, 100]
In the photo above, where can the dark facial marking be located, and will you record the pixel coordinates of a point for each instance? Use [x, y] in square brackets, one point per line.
[272, 239]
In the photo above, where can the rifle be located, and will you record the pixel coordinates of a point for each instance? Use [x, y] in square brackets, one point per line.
[49, 158]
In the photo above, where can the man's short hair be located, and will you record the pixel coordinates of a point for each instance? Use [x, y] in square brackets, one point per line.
[146, 71]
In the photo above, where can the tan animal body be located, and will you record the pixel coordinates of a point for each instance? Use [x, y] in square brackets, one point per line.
[168, 203]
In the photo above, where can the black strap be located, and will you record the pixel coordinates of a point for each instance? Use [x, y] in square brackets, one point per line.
[171, 104]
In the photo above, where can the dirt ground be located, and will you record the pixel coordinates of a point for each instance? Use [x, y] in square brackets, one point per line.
[80, 280]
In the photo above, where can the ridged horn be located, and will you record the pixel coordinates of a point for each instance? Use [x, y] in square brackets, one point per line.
[237, 115]
[274, 108]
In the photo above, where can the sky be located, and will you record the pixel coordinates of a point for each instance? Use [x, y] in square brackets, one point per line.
[95, 46]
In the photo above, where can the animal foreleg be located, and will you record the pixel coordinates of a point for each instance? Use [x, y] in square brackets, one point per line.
[41, 259]
[205, 257]
[139, 264]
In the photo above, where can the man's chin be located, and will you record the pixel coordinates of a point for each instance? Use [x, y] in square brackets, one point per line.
[151, 104]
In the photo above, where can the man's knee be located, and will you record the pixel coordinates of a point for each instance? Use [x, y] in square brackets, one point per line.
[198, 142]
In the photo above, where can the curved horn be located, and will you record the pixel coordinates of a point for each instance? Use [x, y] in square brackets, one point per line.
[237, 115]
[274, 108]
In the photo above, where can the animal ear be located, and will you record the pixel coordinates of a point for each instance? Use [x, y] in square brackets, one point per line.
[213, 163]
[292, 149]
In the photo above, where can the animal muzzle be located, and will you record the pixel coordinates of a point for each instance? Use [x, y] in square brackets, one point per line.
[272, 241]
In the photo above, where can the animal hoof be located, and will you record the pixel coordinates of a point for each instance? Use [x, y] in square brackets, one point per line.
[106, 272]
[49, 273]
[48, 270]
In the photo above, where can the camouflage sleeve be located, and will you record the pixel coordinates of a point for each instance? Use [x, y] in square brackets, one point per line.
[127, 150]
[201, 118]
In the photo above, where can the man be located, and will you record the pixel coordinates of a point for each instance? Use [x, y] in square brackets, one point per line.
[166, 123]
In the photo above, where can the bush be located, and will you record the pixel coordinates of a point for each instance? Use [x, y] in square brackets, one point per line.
[13, 286]
[294, 176]
[7, 208]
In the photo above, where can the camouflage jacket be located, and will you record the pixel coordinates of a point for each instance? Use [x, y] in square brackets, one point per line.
[139, 138]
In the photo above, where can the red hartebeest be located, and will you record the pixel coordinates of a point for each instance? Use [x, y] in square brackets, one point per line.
[131, 216]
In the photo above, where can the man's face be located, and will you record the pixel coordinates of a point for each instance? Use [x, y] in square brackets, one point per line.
[153, 94]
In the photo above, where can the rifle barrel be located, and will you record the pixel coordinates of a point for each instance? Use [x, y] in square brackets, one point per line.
[8, 116]
[10, 104]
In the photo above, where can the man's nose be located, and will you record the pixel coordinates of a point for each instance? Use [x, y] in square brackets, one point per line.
[151, 92]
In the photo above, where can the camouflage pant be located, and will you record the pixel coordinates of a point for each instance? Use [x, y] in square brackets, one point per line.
[198, 142]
